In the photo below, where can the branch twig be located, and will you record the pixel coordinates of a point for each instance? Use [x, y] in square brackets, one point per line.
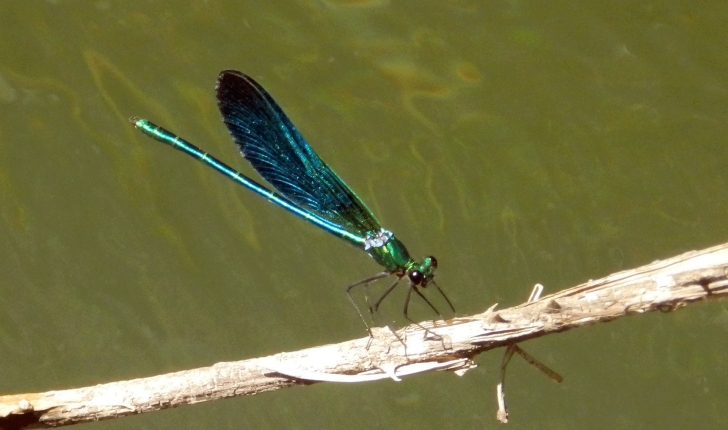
[662, 285]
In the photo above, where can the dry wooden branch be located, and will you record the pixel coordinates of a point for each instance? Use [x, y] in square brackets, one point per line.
[663, 285]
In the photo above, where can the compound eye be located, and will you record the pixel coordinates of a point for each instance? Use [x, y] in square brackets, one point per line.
[415, 277]
[433, 262]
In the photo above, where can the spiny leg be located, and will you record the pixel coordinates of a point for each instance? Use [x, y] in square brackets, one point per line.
[364, 282]
[406, 305]
[414, 288]
[442, 293]
[373, 309]
[385, 294]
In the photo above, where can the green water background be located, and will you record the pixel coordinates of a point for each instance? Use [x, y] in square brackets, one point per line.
[519, 142]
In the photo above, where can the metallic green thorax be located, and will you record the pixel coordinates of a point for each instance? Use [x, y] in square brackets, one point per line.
[396, 259]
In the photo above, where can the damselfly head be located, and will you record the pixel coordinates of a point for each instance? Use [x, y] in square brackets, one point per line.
[422, 274]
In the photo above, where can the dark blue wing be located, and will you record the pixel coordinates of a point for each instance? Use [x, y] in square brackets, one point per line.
[271, 143]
